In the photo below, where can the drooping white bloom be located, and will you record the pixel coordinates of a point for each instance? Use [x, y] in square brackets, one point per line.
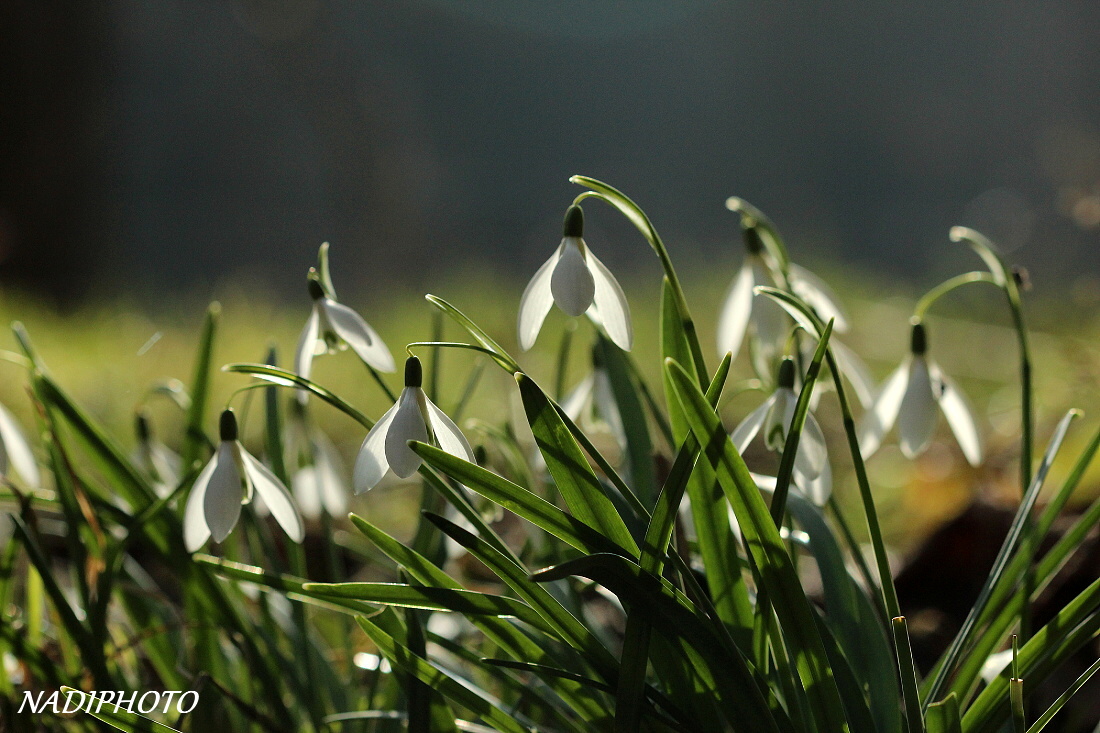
[229, 480]
[413, 417]
[317, 474]
[768, 322]
[332, 326]
[912, 397]
[579, 283]
[812, 473]
[156, 460]
[15, 452]
[593, 396]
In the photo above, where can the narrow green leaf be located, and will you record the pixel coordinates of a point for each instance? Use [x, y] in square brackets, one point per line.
[1016, 531]
[639, 445]
[466, 602]
[1065, 697]
[908, 672]
[496, 350]
[403, 659]
[943, 716]
[572, 475]
[762, 539]
[195, 440]
[518, 500]
[284, 378]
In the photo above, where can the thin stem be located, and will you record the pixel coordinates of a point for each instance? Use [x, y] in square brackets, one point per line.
[637, 217]
[947, 286]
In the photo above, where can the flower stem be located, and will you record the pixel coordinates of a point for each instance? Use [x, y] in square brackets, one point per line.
[946, 287]
[638, 218]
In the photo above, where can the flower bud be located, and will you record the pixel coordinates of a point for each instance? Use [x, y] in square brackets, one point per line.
[919, 340]
[227, 426]
[751, 235]
[574, 222]
[414, 372]
[786, 374]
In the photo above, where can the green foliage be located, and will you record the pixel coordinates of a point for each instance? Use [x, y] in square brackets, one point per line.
[557, 581]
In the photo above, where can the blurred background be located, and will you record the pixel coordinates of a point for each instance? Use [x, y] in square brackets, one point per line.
[171, 145]
[159, 154]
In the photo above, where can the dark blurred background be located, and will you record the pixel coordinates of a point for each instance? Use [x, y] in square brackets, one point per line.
[168, 144]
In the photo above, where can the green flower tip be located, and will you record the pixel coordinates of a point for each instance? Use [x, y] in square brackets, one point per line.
[141, 427]
[918, 343]
[751, 235]
[786, 373]
[227, 426]
[315, 290]
[574, 222]
[414, 373]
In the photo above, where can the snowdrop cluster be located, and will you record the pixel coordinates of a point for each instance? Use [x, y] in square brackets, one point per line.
[575, 280]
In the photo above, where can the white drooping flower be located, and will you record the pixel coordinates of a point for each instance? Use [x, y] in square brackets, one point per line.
[812, 474]
[413, 417]
[317, 474]
[15, 452]
[229, 480]
[593, 397]
[912, 397]
[769, 323]
[156, 460]
[332, 326]
[579, 283]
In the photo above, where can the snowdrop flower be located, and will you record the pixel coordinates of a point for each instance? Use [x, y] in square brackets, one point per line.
[227, 482]
[331, 327]
[768, 321]
[811, 463]
[414, 417]
[156, 460]
[579, 283]
[15, 452]
[910, 397]
[317, 473]
[593, 395]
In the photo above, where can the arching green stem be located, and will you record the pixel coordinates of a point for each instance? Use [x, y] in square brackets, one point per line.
[947, 286]
[638, 218]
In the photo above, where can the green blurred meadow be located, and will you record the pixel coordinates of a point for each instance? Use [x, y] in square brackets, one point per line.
[116, 356]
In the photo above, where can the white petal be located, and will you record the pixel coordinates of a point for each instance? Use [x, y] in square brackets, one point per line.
[877, 421]
[734, 318]
[778, 420]
[447, 434]
[747, 429]
[769, 321]
[857, 373]
[536, 302]
[371, 463]
[330, 474]
[572, 283]
[995, 664]
[15, 449]
[307, 491]
[408, 424]
[574, 403]
[307, 343]
[812, 457]
[960, 416]
[222, 503]
[918, 413]
[610, 308]
[275, 495]
[362, 339]
[819, 296]
[195, 531]
[816, 490]
[604, 398]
